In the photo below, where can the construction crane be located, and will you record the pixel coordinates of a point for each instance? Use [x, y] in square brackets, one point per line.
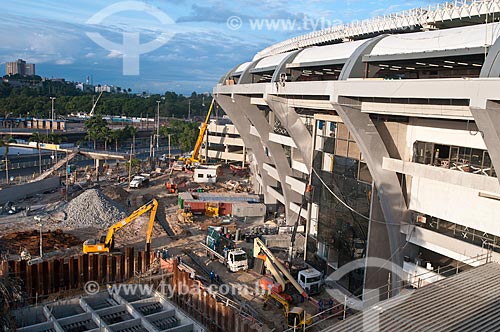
[195, 155]
[276, 268]
[106, 242]
[296, 317]
[91, 114]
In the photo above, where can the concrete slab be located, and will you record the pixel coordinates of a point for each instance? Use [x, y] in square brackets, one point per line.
[107, 312]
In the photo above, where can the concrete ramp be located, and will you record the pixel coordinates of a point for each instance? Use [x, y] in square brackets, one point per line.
[56, 166]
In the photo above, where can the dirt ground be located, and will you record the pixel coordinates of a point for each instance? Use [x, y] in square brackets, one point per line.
[52, 240]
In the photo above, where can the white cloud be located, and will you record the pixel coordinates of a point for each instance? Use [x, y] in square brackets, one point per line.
[114, 54]
[68, 61]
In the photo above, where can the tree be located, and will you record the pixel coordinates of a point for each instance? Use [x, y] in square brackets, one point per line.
[55, 138]
[117, 135]
[135, 165]
[130, 132]
[170, 130]
[188, 136]
[95, 126]
[37, 137]
[92, 135]
[105, 135]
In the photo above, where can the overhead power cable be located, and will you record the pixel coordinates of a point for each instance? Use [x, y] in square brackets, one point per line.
[346, 205]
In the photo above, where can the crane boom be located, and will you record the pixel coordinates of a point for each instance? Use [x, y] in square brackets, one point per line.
[260, 246]
[95, 104]
[93, 246]
[199, 141]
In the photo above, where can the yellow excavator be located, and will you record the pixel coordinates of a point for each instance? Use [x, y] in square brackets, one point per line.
[195, 155]
[296, 317]
[106, 242]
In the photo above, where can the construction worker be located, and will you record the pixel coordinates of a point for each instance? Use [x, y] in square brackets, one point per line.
[212, 277]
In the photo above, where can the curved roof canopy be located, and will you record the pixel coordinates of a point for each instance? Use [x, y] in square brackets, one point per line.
[241, 68]
[448, 42]
[269, 63]
[324, 55]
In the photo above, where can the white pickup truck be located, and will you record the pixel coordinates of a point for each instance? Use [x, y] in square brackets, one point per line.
[139, 181]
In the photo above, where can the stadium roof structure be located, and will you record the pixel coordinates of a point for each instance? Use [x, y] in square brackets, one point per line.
[440, 16]
[468, 301]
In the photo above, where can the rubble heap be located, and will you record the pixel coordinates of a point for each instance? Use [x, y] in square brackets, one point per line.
[92, 209]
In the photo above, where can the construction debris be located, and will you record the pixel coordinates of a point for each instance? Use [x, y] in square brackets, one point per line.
[92, 209]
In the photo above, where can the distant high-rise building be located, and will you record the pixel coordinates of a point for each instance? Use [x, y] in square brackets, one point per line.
[30, 69]
[20, 67]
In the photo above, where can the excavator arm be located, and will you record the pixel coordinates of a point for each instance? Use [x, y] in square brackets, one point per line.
[153, 204]
[91, 247]
[150, 225]
[199, 141]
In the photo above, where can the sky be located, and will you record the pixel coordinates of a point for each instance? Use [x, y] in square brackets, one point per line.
[168, 45]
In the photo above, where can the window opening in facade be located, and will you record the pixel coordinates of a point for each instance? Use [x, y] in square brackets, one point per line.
[459, 158]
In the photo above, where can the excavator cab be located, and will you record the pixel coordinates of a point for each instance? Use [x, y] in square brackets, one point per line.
[98, 245]
[297, 318]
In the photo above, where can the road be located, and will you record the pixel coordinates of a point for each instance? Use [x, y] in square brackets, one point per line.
[27, 164]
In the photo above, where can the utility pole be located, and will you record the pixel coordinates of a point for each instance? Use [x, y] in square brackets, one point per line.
[6, 165]
[189, 109]
[52, 123]
[130, 167]
[158, 125]
[169, 157]
[151, 147]
[67, 171]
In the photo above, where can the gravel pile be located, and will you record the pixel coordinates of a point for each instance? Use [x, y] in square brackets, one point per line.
[92, 209]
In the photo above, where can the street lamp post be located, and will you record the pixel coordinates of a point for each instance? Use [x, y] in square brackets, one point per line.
[39, 224]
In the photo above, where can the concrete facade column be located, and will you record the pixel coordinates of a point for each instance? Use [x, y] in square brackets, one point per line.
[294, 125]
[388, 201]
[252, 143]
[389, 190]
[488, 123]
[277, 153]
